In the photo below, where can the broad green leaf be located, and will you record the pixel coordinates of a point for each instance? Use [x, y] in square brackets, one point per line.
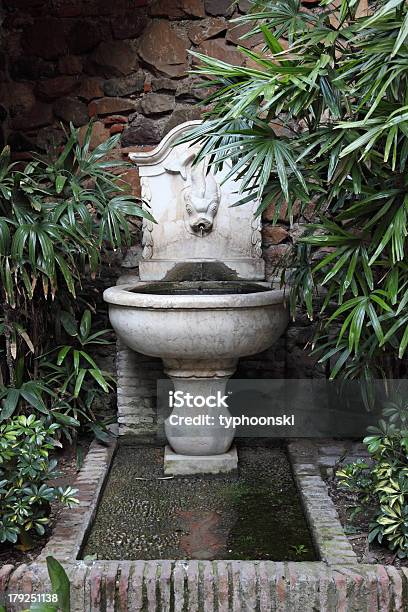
[69, 323]
[33, 400]
[85, 326]
[59, 183]
[76, 358]
[62, 354]
[60, 583]
[88, 358]
[79, 380]
[9, 404]
[99, 379]
[337, 267]
[375, 297]
[65, 419]
[404, 343]
[272, 42]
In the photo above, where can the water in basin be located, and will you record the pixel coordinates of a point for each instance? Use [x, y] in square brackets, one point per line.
[201, 288]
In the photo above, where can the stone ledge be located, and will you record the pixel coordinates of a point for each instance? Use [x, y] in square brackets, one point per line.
[182, 465]
[73, 524]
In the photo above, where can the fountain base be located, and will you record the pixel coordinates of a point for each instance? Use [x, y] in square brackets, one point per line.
[185, 465]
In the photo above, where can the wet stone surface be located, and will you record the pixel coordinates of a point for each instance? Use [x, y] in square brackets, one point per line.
[253, 514]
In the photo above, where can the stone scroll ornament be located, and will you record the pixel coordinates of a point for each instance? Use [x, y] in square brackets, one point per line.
[256, 236]
[147, 226]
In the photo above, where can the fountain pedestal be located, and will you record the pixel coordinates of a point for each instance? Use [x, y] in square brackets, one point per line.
[199, 429]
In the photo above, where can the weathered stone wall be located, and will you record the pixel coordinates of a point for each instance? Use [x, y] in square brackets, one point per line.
[124, 64]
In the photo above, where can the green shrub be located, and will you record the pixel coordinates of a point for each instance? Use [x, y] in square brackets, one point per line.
[25, 470]
[382, 483]
[74, 376]
[62, 216]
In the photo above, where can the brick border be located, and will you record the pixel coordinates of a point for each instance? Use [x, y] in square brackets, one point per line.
[336, 583]
[331, 542]
[74, 523]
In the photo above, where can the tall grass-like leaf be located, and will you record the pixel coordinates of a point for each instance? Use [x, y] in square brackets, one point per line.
[99, 379]
[382, 12]
[80, 379]
[403, 344]
[4, 238]
[85, 325]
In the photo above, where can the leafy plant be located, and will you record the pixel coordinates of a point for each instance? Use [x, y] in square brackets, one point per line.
[382, 483]
[25, 470]
[30, 393]
[319, 118]
[77, 359]
[60, 590]
[60, 585]
[357, 479]
[75, 377]
[57, 217]
[299, 549]
[60, 217]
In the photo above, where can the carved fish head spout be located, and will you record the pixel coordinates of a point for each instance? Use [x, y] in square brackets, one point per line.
[202, 199]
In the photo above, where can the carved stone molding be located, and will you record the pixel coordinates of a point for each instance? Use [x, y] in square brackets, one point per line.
[200, 230]
[147, 226]
[256, 237]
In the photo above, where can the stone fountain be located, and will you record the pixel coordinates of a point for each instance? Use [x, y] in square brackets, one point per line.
[201, 302]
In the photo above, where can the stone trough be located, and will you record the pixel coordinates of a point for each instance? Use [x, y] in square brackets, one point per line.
[335, 583]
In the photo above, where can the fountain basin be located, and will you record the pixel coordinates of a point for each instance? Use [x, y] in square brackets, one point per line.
[197, 321]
